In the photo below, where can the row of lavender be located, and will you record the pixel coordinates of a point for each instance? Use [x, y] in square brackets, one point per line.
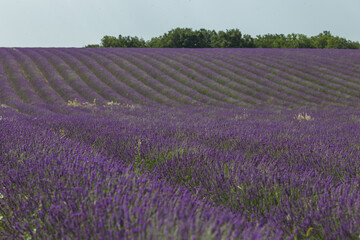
[165, 173]
[181, 77]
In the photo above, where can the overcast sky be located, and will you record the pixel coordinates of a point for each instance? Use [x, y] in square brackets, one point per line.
[76, 23]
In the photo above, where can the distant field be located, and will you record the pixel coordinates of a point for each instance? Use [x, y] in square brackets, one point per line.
[274, 78]
[179, 143]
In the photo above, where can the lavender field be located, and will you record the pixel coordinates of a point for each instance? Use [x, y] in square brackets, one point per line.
[179, 143]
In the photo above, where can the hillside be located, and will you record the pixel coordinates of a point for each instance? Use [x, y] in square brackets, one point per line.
[179, 144]
[249, 78]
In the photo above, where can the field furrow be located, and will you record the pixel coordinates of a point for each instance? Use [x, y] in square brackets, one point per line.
[325, 71]
[170, 75]
[71, 77]
[24, 89]
[126, 77]
[37, 79]
[308, 89]
[244, 74]
[89, 78]
[220, 92]
[247, 78]
[125, 62]
[125, 91]
[58, 83]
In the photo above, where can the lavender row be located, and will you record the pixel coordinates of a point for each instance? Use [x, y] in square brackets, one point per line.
[281, 77]
[255, 65]
[244, 74]
[127, 78]
[163, 71]
[322, 87]
[180, 73]
[53, 77]
[40, 84]
[316, 76]
[341, 59]
[7, 92]
[90, 79]
[159, 86]
[347, 66]
[310, 89]
[18, 81]
[327, 71]
[208, 85]
[244, 98]
[261, 91]
[108, 78]
[71, 77]
[183, 87]
[224, 85]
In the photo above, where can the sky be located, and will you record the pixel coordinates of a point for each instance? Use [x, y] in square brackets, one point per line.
[77, 23]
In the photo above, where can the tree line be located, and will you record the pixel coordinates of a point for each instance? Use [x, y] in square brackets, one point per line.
[233, 38]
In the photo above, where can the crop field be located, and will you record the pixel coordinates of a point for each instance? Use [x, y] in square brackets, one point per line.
[110, 143]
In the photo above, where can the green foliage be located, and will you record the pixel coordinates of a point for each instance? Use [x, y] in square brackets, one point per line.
[326, 40]
[123, 42]
[183, 38]
[322, 40]
[92, 46]
[231, 38]
[109, 41]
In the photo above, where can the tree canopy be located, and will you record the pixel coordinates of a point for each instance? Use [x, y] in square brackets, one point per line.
[232, 38]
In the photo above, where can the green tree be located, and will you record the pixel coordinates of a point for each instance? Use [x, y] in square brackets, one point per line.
[92, 46]
[304, 42]
[203, 37]
[130, 42]
[155, 42]
[271, 41]
[109, 41]
[337, 42]
[321, 40]
[248, 41]
[123, 42]
[183, 38]
[231, 39]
